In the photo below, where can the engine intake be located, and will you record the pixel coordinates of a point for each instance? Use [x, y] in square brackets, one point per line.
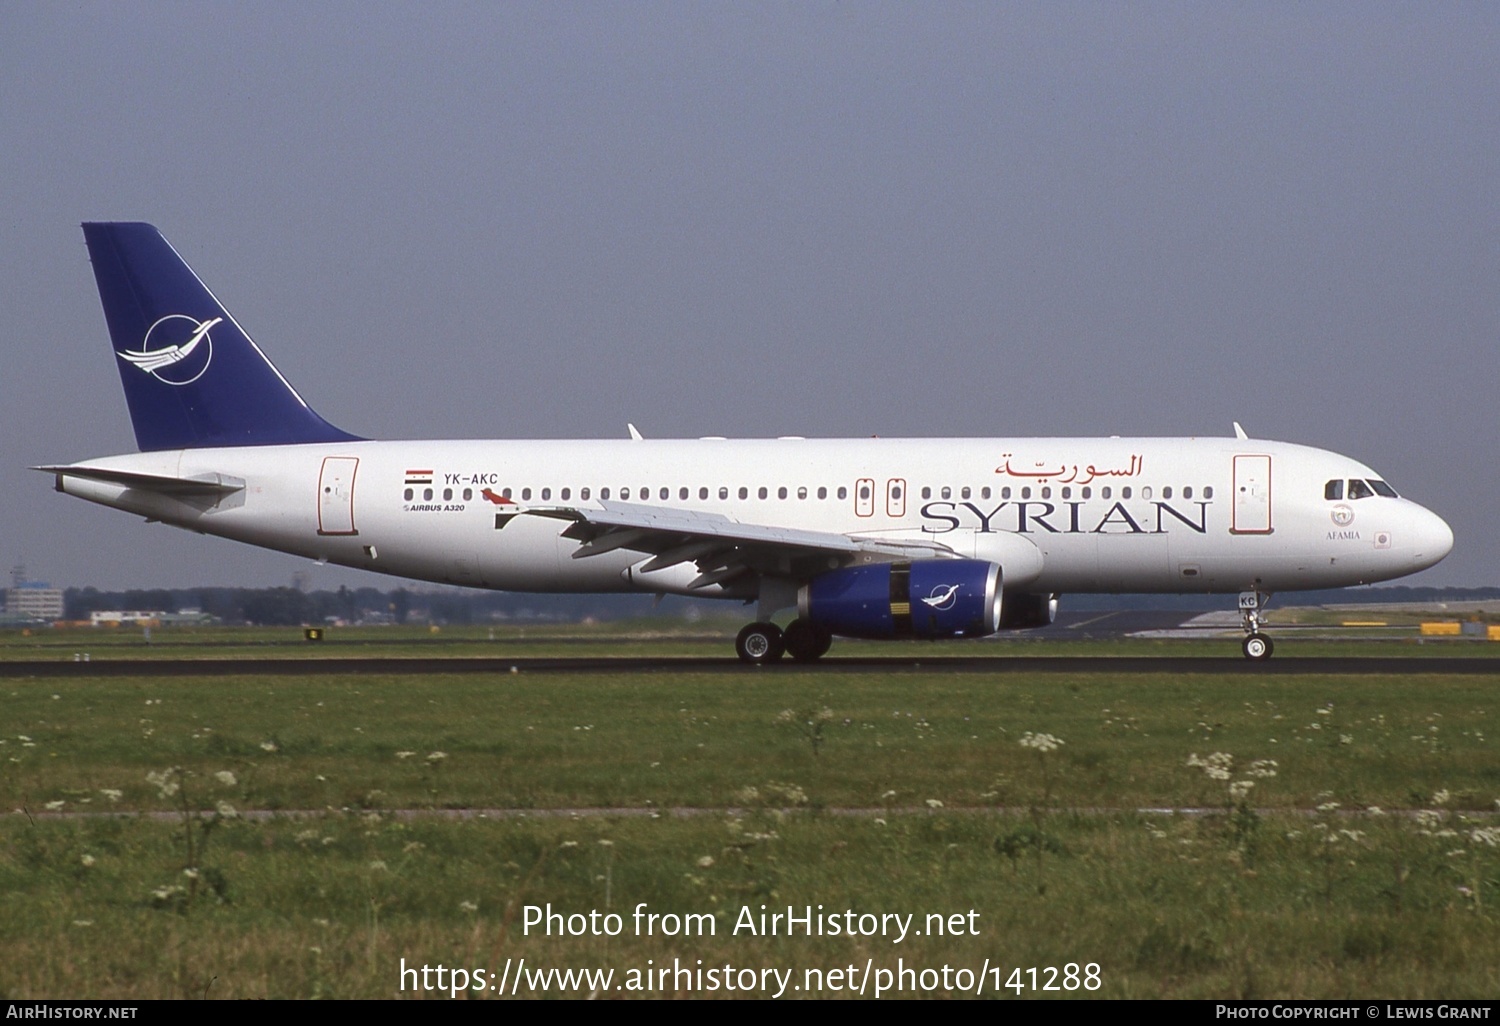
[929, 598]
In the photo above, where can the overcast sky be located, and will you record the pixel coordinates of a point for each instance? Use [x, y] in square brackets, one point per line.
[518, 220]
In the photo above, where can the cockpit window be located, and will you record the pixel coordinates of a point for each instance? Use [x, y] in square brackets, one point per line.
[1381, 488]
[1333, 490]
[1359, 490]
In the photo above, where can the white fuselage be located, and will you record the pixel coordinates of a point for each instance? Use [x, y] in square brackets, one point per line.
[1058, 514]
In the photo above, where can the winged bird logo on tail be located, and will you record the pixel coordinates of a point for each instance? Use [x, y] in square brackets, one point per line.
[189, 357]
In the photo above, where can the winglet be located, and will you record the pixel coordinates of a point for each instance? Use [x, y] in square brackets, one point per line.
[635, 436]
[1239, 432]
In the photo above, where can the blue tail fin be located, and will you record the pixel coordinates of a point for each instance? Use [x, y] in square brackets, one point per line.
[193, 379]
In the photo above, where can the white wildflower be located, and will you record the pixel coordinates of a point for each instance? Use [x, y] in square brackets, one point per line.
[1041, 742]
[933, 803]
[55, 806]
[226, 811]
[112, 794]
[1486, 835]
[87, 859]
[1328, 807]
[191, 872]
[1263, 768]
[405, 755]
[706, 862]
[468, 906]
[1442, 797]
[436, 756]
[606, 843]
[378, 865]
[268, 746]
[1240, 789]
[226, 777]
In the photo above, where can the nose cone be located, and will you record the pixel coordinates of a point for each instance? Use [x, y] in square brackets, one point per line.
[1432, 539]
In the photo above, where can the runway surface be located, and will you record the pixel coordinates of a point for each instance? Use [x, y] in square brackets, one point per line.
[991, 664]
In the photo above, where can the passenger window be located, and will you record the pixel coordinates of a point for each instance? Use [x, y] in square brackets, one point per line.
[624, 493]
[762, 493]
[1358, 489]
[781, 492]
[1146, 492]
[802, 492]
[823, 492]
[744, 492]
[1187, 493]
[468, 494]
[1067, 493]
[1333, 490]
[1046, 491]
[682, 493]
[964, 492]
[1166, 493]
[926, 492]
[1106, 492]
[1088, 493]
[1208, 491]
[566, 494]
[947, 492]
[1125, 492]
[546, 493]
[426, 494]
[1005, 492]
[723, 492]
[583, 493]
[1026, 492]
[604, 493]
[843, 492]
[505, 493]
[447, 494]
[665, 494]
[702, 493]
[984, 493]
[407, 495]
[864, 491]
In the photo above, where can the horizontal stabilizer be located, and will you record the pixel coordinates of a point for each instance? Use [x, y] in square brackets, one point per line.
[198, 484]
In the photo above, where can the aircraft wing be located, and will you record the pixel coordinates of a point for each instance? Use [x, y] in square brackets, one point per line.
[721, 547]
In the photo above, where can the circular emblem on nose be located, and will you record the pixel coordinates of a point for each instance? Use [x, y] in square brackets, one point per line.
[1342, 515]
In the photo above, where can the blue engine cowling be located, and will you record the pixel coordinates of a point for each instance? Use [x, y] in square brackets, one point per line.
[929, 598]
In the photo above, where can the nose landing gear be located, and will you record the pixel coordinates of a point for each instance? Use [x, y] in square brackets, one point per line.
[1256, 646]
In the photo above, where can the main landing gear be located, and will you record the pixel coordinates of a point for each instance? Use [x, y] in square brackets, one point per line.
[764, 642]
[1256, 646]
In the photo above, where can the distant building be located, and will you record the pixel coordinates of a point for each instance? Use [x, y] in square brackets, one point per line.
[33, 600]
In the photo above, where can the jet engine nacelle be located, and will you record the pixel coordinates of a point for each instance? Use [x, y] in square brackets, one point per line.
[929, 598]
[1026, 611]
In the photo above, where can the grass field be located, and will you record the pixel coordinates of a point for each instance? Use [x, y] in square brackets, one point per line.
[1341, 841]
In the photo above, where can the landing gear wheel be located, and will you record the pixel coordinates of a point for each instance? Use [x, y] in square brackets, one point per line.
[759, 643]
[1258, 648]
[806, 643]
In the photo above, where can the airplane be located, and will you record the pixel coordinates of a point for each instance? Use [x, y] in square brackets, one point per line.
[928, 538]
